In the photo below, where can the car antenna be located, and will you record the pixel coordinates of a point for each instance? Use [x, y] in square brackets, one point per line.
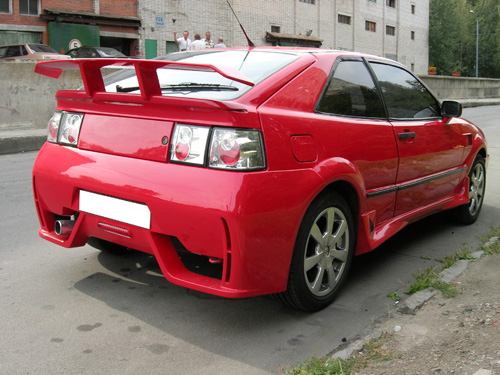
[250, 44]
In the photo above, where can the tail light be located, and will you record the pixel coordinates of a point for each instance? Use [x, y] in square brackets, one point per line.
[189, 144]
[225, 148]
[64, 127]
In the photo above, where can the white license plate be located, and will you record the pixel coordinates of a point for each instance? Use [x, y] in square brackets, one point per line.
[116, 209]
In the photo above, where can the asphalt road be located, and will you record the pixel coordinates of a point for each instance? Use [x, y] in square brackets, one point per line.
[79, 311]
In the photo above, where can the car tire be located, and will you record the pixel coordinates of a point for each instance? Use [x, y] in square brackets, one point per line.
[322, 255]
[468, 213]
[106, 246]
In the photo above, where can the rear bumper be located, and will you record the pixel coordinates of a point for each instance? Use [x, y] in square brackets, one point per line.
[248, 220]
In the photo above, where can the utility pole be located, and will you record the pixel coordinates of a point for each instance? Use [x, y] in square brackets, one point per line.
[477, 44]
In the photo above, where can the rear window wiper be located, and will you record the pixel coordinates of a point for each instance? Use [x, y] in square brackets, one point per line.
[191, 86]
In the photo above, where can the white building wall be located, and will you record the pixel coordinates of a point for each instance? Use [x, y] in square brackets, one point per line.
[297, 18]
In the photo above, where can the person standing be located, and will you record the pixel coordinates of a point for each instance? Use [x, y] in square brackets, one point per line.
[220, 43]
[198, 43]
[208, 40]
[184, 42]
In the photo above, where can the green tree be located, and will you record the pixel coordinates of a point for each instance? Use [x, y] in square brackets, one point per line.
[452, 36]
[444, 45]
[489, 39]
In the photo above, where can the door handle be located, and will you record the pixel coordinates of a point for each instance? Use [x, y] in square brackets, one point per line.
[407, 135]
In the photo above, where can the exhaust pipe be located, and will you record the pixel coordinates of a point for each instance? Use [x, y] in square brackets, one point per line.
[64, 227]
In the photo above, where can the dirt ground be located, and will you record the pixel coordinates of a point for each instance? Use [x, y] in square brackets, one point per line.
[458, 335]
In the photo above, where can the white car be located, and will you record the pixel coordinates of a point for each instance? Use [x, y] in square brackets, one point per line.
[30, 51]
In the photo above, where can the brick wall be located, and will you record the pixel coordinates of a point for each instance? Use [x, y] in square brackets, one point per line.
[125, 8]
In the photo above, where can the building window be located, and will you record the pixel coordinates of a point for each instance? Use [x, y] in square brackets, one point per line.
[373, 1]
[413, 35]
[28, 7]
[5, 6]
[412, 8]
[344, 19]
[391, 3]
[307, 1]
[275, 29]
[370, 26]
[390, 30]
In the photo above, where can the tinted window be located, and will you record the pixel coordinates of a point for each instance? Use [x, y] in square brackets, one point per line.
[351, 92]
[41, 48]
[13, 51]
[405, 97]
[109, 52]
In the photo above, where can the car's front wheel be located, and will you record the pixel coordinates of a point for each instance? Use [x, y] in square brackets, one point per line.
[322, 255]
[468, 213]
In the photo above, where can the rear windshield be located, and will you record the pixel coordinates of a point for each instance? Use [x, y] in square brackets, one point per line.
[256, 65]
[41, 48]
[109, 52]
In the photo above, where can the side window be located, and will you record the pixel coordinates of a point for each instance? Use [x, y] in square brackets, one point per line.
[85, 53]
[351, 92]
[13, 51]
[405, 97]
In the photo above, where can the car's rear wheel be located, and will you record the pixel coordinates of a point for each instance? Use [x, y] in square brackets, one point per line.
[468, 213]
[322, 255]
[106, 246]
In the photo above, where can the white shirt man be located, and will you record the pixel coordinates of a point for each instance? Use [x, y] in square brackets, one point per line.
[184, 42]
[197, 43]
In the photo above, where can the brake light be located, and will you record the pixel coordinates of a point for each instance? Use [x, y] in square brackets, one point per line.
[53, 127]
[189, 144]
[229, 148]
[64, 127]
[236, 149]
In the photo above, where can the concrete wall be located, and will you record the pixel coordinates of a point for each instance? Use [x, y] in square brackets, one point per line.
[446, 87]
[27, 99]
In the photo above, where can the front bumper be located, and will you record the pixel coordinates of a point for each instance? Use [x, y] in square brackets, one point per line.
[249, 221]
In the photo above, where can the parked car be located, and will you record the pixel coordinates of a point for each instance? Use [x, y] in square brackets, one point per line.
[270, 167]
[30, 51]
[95, 52]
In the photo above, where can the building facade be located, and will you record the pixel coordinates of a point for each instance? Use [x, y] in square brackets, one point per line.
[65, 24]
[398, 29]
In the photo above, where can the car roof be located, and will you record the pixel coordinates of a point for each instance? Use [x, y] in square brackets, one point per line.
[302, 51]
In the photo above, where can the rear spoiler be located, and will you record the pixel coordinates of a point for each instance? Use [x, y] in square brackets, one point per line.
[149, 85]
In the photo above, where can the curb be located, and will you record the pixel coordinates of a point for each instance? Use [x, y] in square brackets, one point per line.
[413, 303]
[14, 145]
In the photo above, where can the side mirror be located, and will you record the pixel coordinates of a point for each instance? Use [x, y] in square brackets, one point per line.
[451, 108]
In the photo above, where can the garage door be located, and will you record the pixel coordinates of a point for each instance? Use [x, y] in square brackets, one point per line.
[18, 37]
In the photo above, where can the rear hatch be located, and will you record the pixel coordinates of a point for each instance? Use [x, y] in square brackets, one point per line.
[132, 111]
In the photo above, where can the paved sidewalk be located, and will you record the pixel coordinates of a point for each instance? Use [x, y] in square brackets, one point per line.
[23, 138]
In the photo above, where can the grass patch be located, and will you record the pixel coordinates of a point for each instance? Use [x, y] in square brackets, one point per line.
[374, 351]
[492, 248]
[394, 296]
[463, 254]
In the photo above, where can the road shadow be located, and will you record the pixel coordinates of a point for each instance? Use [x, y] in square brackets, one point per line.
[258, 331]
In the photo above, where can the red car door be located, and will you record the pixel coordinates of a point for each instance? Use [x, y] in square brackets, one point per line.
[430, 150]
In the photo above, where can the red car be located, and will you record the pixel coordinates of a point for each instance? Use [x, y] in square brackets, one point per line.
[252, 171]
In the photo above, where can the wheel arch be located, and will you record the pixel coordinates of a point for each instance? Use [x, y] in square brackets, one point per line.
[347, 191]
